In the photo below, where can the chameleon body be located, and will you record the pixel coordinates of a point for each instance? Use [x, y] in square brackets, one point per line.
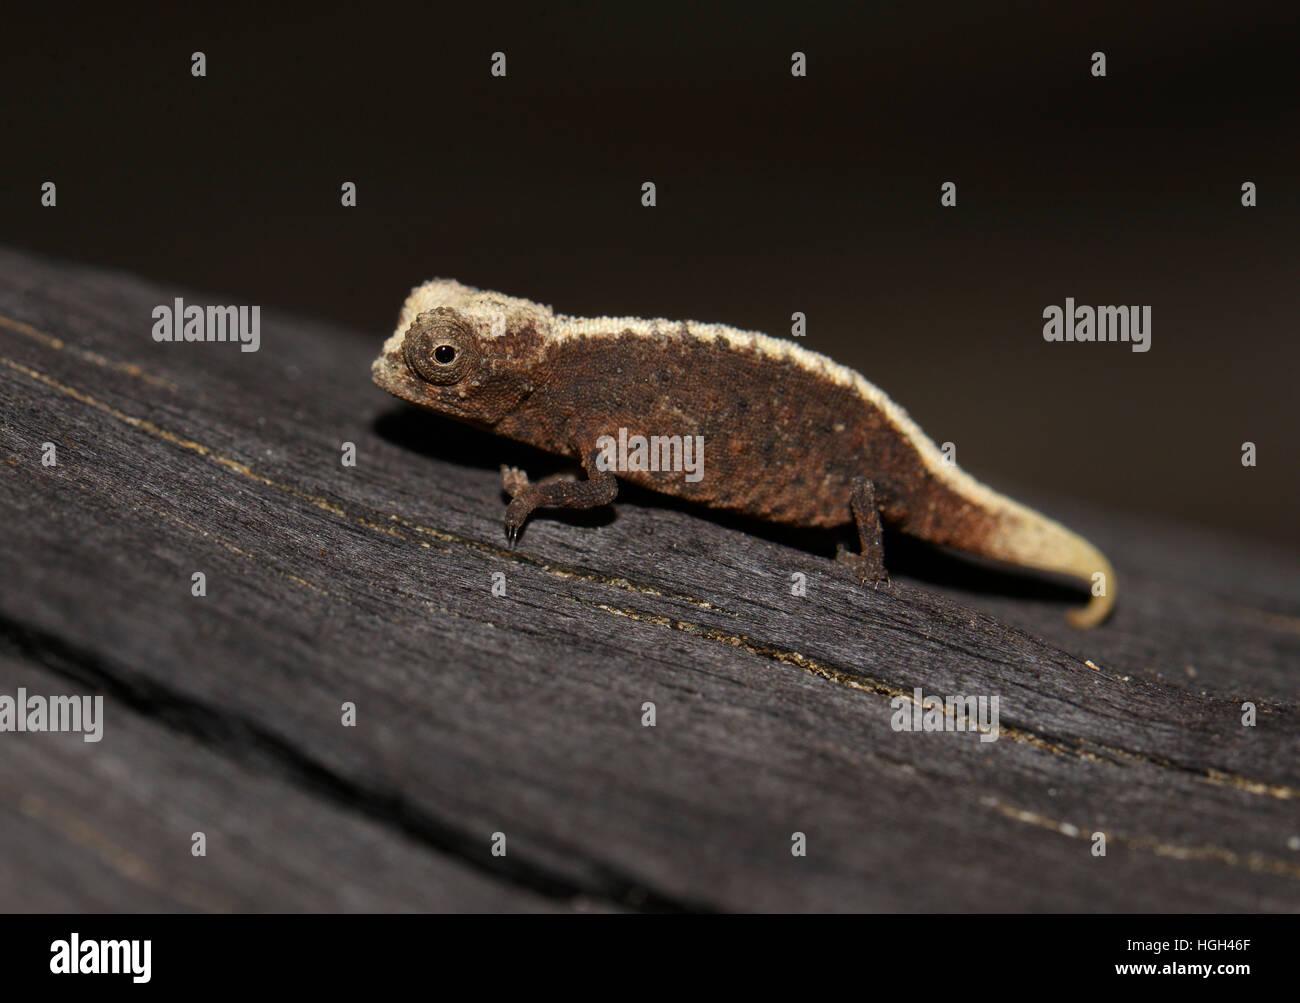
[790, 436]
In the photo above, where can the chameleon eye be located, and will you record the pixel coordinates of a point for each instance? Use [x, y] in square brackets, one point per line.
[439, 347]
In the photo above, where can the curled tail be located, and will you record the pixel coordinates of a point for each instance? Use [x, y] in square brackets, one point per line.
[1026, 537]
[969, 516]
[945, 505]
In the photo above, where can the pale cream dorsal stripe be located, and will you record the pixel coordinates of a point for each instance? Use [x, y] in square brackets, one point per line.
[1030, 538]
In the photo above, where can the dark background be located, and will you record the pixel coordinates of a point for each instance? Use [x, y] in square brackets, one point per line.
[775, 194]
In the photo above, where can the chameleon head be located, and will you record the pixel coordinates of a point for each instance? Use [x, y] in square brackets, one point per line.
[467, 354]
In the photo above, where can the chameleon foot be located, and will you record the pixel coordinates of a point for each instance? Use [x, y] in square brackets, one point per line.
[864, 569]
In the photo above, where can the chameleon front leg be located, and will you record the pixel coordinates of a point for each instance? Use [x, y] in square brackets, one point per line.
[869, 565]
[556, 491]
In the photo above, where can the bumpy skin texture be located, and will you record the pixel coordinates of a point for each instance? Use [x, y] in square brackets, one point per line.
[781, 443]
[789, 436]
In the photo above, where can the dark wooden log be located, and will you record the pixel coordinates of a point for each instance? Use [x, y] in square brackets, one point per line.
[522, 714]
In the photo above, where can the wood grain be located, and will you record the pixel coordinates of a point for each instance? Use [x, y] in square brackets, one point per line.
[522, 714]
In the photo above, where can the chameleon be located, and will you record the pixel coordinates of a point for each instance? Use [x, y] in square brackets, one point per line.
[793, 437]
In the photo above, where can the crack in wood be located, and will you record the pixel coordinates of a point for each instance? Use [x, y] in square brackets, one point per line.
[244, 470]
[1215, 777]
[1256, 862]
[246, 741]
[59, 345]
[254, 746]
[852, 679]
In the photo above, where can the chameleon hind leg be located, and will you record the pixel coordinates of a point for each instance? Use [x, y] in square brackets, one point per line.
[556, 491]
[869, 564]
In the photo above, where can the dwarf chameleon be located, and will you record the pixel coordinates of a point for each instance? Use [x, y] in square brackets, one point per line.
[793, 437]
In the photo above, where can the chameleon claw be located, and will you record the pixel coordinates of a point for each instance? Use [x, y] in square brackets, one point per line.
[442, 357]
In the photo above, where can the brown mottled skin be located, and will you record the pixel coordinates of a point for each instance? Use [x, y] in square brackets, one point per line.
[781, 443]
[783, 440]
